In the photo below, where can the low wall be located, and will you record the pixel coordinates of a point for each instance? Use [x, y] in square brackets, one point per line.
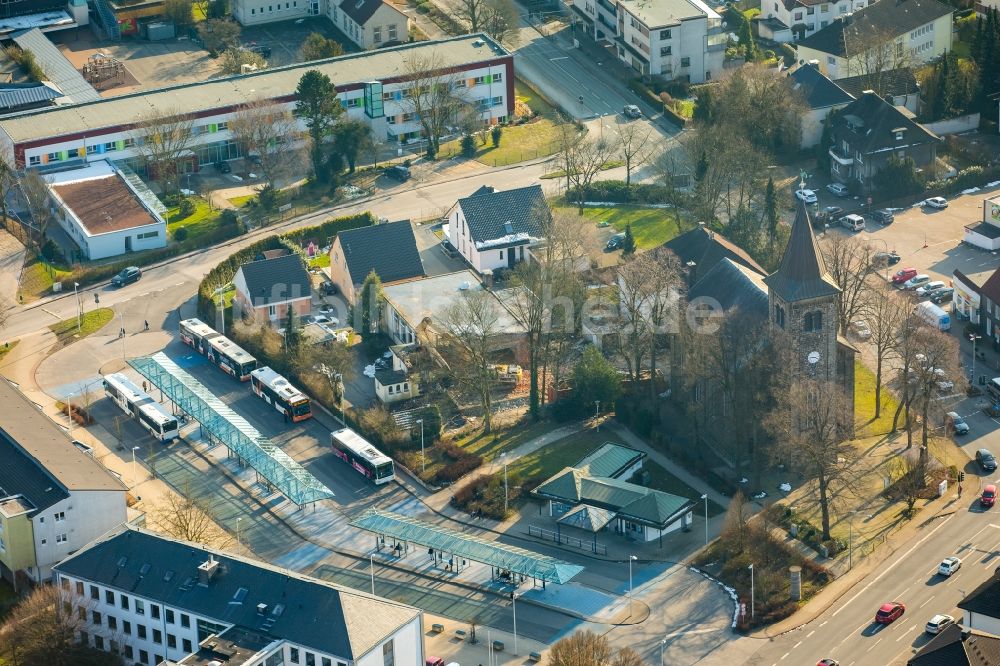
[958, 125]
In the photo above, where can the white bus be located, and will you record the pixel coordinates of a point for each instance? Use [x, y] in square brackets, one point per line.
[232, 358]
[276, 391]
[196, 333]
[139, 405]
[351, 447]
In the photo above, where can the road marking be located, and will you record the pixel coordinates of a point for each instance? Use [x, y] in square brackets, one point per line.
[824, 623]
[692, 632]
[903, 635]
[925, 603]
[888, 569]
[796, 645]
[809, 635]
[50, 312]
[179, 284]
[874, 645]
[783, 656]
[559, 58]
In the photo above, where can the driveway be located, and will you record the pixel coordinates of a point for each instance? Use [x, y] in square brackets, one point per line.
[435, 261]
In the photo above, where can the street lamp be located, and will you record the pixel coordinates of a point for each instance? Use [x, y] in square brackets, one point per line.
[974, 337]
[631, 558]
[663, 644]
[79, 314]
[371, 563]
[752, 609]
[597, 414]
[135, 479]
[513, 605]
[705, 497]
[423, 460]
[239, 543]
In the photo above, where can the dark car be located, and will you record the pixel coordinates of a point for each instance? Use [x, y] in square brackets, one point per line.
[828, 213]
[223, 167]
[615, 242]
[126, 276]
[883, 259]
[398, 172]
[941, 295]
[890, 612]
[262, 51]
[882, 216]
[986, 460]
[448, 248]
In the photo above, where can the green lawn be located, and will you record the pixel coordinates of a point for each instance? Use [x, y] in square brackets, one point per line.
[490, 446]
[38, 277]
[651, 227]
[561, 453]
[561, 173]
[864, 403]
[661, 479]
[66, 331]
[320, 261]
[7, 347]
[202, 221]
[240, 202]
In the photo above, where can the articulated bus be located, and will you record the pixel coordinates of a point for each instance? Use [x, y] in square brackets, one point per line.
[138, 404]
[219, 349]
[196, 333]
[365, 458]
[275, 390]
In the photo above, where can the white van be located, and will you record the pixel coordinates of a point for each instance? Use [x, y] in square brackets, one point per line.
[933, 315]
[853, 222]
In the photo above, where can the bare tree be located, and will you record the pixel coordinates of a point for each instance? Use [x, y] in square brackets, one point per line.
[472, 13]
[435, 96]
[673, 170]
[269, 131]
[935, 372]
[585, 648]
[162, 138]
[884, 312]
[37, 200]
[187, 518]
[235, 58]
[873, 54]
[849, 262]
[636, 147]
[585, 159]
[909, 478]
[501, 20]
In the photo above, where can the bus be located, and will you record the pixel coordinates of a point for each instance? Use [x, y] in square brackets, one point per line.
[230, 357]
[139, 405]
[196, 333]
[351, 447]
[275, 390]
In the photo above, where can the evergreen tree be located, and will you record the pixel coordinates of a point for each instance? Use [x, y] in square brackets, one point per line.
[747, 42]
[318, 107]
[628, 243]
[976, 48]
[291, 332]
[370, 303]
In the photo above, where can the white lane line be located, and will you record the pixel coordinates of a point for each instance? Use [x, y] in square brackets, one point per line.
[903, 635]
[823, 624]
[809, 635]
[925, 603]
[783, 656]
[874, 645]
[179, 284]
[796, 645]
[559, 58]
[898, 560]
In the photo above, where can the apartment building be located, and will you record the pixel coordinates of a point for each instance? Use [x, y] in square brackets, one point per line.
[54, 498]
[793, 20]
[156, 600]
[255, 12]
[370, 24]
[675, 39]
[373, 87]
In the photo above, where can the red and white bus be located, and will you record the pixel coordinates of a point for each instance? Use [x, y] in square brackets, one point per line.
[196, 333]
[351, 447]
[231, 358]
[275, 390]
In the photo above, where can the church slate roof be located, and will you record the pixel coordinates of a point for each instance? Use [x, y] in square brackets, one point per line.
[733, 286]
[706, 249]
[802, 274]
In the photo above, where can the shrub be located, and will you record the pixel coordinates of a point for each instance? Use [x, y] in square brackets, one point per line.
[468, 146]
[495, 134]
[457, 469]
[180, 234]
[185, 208]
[788, 51]
[616, 191]
[52, 253]
[228, 217]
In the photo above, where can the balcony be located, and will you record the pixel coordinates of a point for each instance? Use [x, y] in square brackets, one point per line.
[841, 158]
[608, 7]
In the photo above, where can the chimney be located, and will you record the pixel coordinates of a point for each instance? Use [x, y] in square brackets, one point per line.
[847, 18]
[261, 609]
[488, 278]
[207, 571]
[814, 64]
[691, 270]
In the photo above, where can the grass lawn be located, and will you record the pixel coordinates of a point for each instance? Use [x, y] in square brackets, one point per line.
[239, 202]
[651, 227]
[91, 322]
[661, 479]
[685, 108]
[561, 173]
[320, 261]
[551, 458]
[6, 348]
[38, 278]
[490, 446]
[203, 220]
[864, 403]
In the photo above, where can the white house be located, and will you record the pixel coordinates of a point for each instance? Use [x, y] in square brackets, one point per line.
[491, 229]
[54, 498]
[105, 213]
[670, 38]
[155, 599]
[371, 24]
[255, 12]
[981, 607]
[884, 35]
[788, 20]
[821, 96]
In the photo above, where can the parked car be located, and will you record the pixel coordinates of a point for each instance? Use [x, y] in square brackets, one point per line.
[985, 459]
[632, 111]
[828, 662]
[903, 275]
[882, 259]
[853, 222]
[448, 248]
[938, 623]
[126, 276]
[882, 216]
[949, 565]
[890, 612]
[989, 496]
[262, 51]
[957, 423]
[806, 195]
[615, 242]
[939, 203]
[838, 189]
[828, 213]
[941, 295]
[916, 281]
[398, 172]
[223, 167]
[859, 327]
[929, 288]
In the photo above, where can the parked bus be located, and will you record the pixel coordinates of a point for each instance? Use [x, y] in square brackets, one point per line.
[933, 315]
[275, 390]
[355, 449]
[196, 333]
[139, 405]
[230, 357]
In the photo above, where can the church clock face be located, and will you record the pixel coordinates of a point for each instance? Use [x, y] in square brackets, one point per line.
[813, 357]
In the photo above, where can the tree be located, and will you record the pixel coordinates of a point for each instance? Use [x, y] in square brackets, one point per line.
[495, 133]
[909, 478]
[595, 380]
[771, 211]
[187, 518]
[747, 43]
[267, 130]
[319, 108]
[872, 54]
[849, 262]
[318, 47]
[42, 629]
[934, 367]
[350, 138]
[585, 648]
[501, 20]
[899, 178]
[636, 147]
[370, 304]
[162, 138]
[219, 34]
[234, 58]
[472, 13]
[435, 97]
[217, 9]
[292, 333]
[472, 328]
[735, 532]
[583, 160]
[884, 312]
[179, 11]
[36, 198]
[628, 242]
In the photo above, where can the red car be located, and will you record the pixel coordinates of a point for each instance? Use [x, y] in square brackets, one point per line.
[890, 612]
[989, 495]
[828, 662]
[902, 276]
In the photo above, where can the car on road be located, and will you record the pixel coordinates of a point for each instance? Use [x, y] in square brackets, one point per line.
[931, 286]
[916, 281]
[881, 259]
[882, 216]
[860, 329]
[632, 111]
[828, 214]
[838, 189]
[989, 496]
[903, 275]
[126, 276]
[615, 242]
[398, 172]
[941, 295]
[986, 461]
[939, 203]
[938, 623]
[890, 612]
[828, 662]
[806, 195]
[949, 565]
[957, 423]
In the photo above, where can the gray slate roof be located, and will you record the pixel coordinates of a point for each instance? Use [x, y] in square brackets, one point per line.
[802, 274]
[388, 249]
[488, 211]
[57, 68]
[276, 280]
[884, 17]
[818, 91]
[313, 613]
[957, 646]
[361, 10]
[707, 248]
[15, 96]
[879, 121]
[20, 474]
[894, 82]
[734, 287]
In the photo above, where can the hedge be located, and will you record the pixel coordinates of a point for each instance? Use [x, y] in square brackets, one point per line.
[618, 192]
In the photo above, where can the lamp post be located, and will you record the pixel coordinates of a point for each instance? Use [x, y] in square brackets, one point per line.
[974, 337]
[631, 558]
[663, 644]
[371, 562]
[135, 479]
[752, 609]
[513, 605]
[705, 497]
[239, 542]
[79, 314]
[597, 414]
[423, 461]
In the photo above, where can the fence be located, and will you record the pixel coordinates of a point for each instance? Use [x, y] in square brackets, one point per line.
[549, 535]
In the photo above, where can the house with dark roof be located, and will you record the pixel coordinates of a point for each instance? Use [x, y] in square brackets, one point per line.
[870, 131]
[267, 288]
[390, 250]
[792, 20]
[16, 97]
[54, 498]
[371, 24]
[700, 249]
[821, 96]
[981, 607]
[495, 229]
[896, 86]
[181, 601]
[880, 37]
[958, 646]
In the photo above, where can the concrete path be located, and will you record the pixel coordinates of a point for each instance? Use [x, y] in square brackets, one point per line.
[11, 260]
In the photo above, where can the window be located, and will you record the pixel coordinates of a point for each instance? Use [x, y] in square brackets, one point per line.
[61, 538]
[85, 638]
[112, 623]
[95, 617]
[34, 160]
[326, 662]
[685, 62]
[67, 609]
[272, 310]
[185, 620]
[64, 584]
[814, 322]
[171, 641]
[79, 588]
[98, 642]
[186, 645]
[140, 631]
[293, 655]
[664, 34]
[44, 541]
[110, 146]
[143, 657]
[157, 636]
[109, 597]
[392, 33]
[170, 616]
[353, 102]
[81, 613]
[124, 602]
[154, 611]
[779, 316]
[497, 78]
[501, 254]
[53, 157]
[252, 11]
[128, 143]
[377, 33]
[126, 627]
[129, 652]
[140, 607]
[222, 127]
[95, 592]
[388, 654]
[665, 50]
[72, 153]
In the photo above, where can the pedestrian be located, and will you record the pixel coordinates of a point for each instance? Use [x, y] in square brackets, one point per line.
[960, 490]
[145, 325]
[285, 414]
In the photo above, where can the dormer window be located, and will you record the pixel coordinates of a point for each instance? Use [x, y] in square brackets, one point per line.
[899, 136]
